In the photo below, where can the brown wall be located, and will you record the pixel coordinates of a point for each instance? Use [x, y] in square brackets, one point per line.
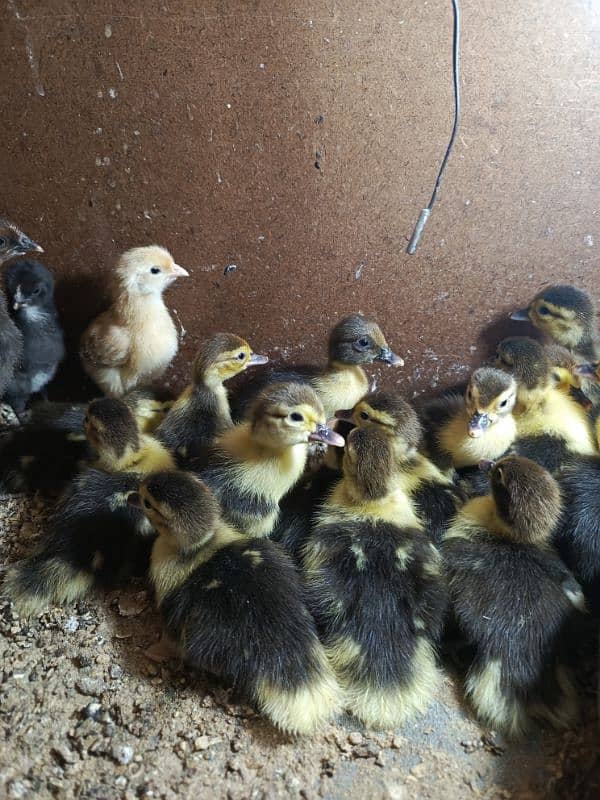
[209, 147]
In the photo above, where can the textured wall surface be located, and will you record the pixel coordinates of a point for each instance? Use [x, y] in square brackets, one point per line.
[298, 142]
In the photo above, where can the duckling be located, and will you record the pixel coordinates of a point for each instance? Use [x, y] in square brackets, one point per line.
[134, 341]
[202, 411]
[578, 534]
[255, 463]
[565, 314]
[113, 433]
[374, 587]
[235, 605]
[460, 432]
[353, 342]
[95, 537]
[434, 494]
[551, 425]
[513, 598]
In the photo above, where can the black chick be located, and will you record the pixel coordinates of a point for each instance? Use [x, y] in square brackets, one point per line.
[235, 605]
[30, 292]
[13, 242]
[513, 598]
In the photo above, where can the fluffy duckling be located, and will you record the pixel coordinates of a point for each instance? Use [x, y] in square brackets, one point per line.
[513, 598]
[551, 425]
[354, 342]
[434, 495]
[460, 432]
[374, 588]
[566, 316]
[235, 605]
[95, 537]
[202, 412]
[113, 433]
[135, 340]
[30, 291]
[255, 463]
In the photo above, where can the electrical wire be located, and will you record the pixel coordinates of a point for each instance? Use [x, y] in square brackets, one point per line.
[424, 216]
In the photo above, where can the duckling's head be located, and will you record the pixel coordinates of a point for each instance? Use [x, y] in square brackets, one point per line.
[527, 497]
[180, 506]
[392, 416]
[147, 270]
[491, 395]
[287, 414]
[564, 313]
[111, 428]
[222, 357]
[526, 360]
[368, 462]
[13, 242]
[358, 340]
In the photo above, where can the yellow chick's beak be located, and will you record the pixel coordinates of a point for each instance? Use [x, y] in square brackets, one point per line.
[180, 272]
[327, 435]
[256, 359]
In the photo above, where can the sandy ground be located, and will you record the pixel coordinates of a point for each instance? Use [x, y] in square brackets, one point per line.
[85, 713]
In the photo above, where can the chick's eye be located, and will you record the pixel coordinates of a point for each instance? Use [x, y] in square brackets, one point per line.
[155, 270]
[504, 403]
[36, 290]
[544, 310]
[296, 416]
[241, 356]
[364, 415]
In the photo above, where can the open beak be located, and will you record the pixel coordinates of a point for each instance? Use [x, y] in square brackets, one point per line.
[256, 359]
[589, 371]
[478, 425]
[486, 466]
[327, 435]
[343, 413]
[520, 316]
[179, 272]
[389, 357]
[134, 499]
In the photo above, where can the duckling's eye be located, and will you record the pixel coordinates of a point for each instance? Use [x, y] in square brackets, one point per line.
[155, 270]
[364, 342]
[241, 356]
[296, 417]
[363, 415]
[147, 504]
[544, 311]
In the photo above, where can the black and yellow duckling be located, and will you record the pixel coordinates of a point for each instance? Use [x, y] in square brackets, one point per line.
[461, 431]
[235, 605]
[551, 425]
[202, 411]
[566, 315]
[433, 493]
[374, 588]
[255, 463]
[94, 537]
[513, 598]
[354, 342]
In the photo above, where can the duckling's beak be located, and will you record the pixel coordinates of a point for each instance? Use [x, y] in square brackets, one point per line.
[587, 371]
[343, 413]
[27, 245]
[326, 435]
[486, 466]
[134, 499]
[520, 316]
[478, 424]
[389, 357]
[256, 359]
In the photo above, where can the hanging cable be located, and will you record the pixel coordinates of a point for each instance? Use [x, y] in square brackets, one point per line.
[424, 216]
